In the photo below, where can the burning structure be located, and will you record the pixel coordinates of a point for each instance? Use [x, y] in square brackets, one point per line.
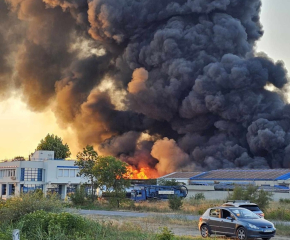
[164, 85]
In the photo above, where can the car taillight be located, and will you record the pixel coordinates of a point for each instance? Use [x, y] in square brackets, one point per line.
[262, 215]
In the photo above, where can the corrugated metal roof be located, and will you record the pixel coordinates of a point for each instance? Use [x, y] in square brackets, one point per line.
[245, 174]
[182, 175]
[284, 177]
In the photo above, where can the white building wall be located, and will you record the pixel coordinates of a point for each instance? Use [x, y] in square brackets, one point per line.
[42, 155]
[50, 176]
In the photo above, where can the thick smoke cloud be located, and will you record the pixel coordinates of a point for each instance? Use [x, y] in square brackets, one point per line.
[169, 84]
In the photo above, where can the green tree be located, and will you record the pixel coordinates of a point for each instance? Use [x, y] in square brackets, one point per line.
[253, 194]
[164, 182]
[86, 160]
[54, 143]
[18, 158]
[114, 175]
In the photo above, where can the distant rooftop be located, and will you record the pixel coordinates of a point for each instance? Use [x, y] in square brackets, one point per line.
[244, 174]
[177, 175]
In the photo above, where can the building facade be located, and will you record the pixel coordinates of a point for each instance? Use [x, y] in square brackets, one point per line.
[43, 172]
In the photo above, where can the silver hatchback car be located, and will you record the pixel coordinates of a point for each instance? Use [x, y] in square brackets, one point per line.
[235, 221]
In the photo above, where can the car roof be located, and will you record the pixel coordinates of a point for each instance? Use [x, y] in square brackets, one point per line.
[226, 207]
[238, 203]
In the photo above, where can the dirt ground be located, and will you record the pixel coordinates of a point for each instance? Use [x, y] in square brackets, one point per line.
[155, 225]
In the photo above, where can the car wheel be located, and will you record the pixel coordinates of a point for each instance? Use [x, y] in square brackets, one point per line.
[241, 233]
[204, 231]
[266, 238]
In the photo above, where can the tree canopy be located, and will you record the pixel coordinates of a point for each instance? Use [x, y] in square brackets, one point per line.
[252, 193]
[54, 143]
[112, 173]
[86, 160]
[18, 158]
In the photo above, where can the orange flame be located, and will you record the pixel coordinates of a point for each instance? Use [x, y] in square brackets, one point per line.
[142, 173]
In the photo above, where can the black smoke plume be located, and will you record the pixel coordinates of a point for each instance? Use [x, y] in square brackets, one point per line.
[168, 84]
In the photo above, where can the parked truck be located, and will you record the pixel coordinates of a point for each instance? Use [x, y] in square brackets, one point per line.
[144, 192]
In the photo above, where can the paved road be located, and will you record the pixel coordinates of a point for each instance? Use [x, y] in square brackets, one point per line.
[135, 214]
[150, 214]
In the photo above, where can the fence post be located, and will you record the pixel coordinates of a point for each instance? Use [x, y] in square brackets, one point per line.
[15, 234]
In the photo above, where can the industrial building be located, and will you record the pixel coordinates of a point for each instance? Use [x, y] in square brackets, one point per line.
[42, 171]
[181, 177]
[216, 184]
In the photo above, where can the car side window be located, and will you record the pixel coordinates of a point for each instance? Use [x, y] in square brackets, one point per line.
[214, 213]
[225, 213]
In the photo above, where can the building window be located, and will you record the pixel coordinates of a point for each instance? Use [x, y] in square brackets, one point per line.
[65, 172]
[7, 173]
[11, 189]
[71, 189]
[72, 173]
[10, 172]
[53, 188]
[4, 189]
[60, 173]
[25, 188]
[31, 174]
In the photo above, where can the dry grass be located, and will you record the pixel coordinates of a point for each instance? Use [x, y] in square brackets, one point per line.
[190, 206]
[278, 211]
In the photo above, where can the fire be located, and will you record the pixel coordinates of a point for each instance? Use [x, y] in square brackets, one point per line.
[142, 173]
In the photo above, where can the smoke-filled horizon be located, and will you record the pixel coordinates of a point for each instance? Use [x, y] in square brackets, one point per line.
[170, 84]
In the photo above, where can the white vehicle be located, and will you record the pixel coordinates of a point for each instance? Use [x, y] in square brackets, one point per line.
[245, 204]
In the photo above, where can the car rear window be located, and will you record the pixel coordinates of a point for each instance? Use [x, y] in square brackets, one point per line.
[251, 207]
[214, 213]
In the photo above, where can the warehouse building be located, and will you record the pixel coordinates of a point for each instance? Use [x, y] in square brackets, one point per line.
[216, 184]
[271, 179]
[181, 177]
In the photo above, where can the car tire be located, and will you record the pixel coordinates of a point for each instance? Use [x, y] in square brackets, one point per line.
[241, 233]
[204, 231]
[266, 238]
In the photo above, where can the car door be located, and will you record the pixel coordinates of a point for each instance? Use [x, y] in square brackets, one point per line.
[214, 219]
[227, 226]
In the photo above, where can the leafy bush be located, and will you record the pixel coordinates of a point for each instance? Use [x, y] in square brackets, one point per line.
[6, 231]
[41, 221]
[199, 196]
[65, 226]
[175, 202]
[166, 234]
[79, 196]
[252, 193]
[281, 213]
[14, 208]
[284, 200]
[117, 199]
